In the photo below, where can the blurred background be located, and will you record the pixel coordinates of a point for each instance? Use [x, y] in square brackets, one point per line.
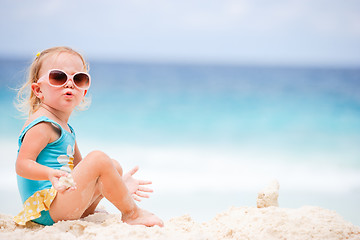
[212, 99]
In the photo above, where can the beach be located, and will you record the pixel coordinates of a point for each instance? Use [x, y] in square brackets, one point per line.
[212, 100]
[209, 137]
[265, 221]
[307, 222]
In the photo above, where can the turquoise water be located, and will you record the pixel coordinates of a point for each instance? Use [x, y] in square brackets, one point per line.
[201, 130]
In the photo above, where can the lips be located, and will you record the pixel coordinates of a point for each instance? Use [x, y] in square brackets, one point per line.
[68, 94]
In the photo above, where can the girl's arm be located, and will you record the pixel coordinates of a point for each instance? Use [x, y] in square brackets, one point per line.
[34, 141]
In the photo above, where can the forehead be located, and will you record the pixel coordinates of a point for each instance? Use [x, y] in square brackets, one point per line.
[66, 61]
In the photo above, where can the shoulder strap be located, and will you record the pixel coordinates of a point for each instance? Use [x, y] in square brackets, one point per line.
[33, 123]
[72, 130]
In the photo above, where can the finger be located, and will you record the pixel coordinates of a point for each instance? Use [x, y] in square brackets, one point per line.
[144, 182]
[60, 189]
[141, 194]
[145, 189]
[72, 188]
[134, 170]
[136, 198]
[60, 173]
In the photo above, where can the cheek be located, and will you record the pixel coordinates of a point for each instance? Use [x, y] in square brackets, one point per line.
[81, 96]
[51, 94]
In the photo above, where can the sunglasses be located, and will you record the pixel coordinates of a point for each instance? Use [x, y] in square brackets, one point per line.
[58, 78]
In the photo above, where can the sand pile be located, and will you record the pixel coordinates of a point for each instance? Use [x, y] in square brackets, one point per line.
[236, 223]
[267, 221]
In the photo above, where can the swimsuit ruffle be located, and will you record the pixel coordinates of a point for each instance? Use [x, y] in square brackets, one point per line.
[39, 201]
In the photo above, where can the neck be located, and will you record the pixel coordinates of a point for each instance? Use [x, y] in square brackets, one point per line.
[61, 117]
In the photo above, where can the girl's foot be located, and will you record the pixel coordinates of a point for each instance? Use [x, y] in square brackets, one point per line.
[142, 217]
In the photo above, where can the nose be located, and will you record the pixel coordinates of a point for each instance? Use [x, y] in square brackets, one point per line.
[70, 83]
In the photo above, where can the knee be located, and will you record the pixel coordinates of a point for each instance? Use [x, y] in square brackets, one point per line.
[100, 159]
[118, 167]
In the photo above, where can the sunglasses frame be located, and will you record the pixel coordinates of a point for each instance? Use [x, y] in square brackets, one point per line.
[47, 77]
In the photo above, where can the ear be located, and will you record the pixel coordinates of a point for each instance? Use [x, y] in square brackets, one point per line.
[36, 90]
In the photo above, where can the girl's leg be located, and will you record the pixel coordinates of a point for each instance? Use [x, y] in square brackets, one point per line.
[97, 175]
[97, 196]
[91, 209]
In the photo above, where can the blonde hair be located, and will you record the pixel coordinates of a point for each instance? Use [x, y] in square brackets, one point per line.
[27, 102]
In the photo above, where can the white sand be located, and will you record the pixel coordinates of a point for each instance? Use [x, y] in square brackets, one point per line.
[265, 222]
[66, 181]
[236, 223]
[269, 196]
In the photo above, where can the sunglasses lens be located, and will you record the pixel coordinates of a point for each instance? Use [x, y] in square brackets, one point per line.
[57, 77]
[82, 80]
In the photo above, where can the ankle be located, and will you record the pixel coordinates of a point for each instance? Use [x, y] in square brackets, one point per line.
[130, 215]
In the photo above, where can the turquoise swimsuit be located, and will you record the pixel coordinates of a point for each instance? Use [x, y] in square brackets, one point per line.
[38, 195]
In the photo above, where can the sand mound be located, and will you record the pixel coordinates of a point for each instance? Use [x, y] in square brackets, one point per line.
[236, 223]
[266, 221]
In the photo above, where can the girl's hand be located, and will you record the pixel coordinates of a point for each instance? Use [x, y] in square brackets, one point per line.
[54, 176]
[135, 186]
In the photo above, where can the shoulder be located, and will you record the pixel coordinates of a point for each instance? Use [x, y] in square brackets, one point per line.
[42, 131]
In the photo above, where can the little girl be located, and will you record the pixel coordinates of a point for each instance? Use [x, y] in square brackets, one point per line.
[59, 81]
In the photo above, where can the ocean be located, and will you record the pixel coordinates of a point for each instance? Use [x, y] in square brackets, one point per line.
[212, 136]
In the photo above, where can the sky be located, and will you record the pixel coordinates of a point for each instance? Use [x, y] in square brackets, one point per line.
[295, 32]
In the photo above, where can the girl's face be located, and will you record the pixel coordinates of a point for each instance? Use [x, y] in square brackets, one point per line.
[64, 98]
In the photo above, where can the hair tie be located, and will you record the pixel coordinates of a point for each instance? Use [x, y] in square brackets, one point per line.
[38, 54]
